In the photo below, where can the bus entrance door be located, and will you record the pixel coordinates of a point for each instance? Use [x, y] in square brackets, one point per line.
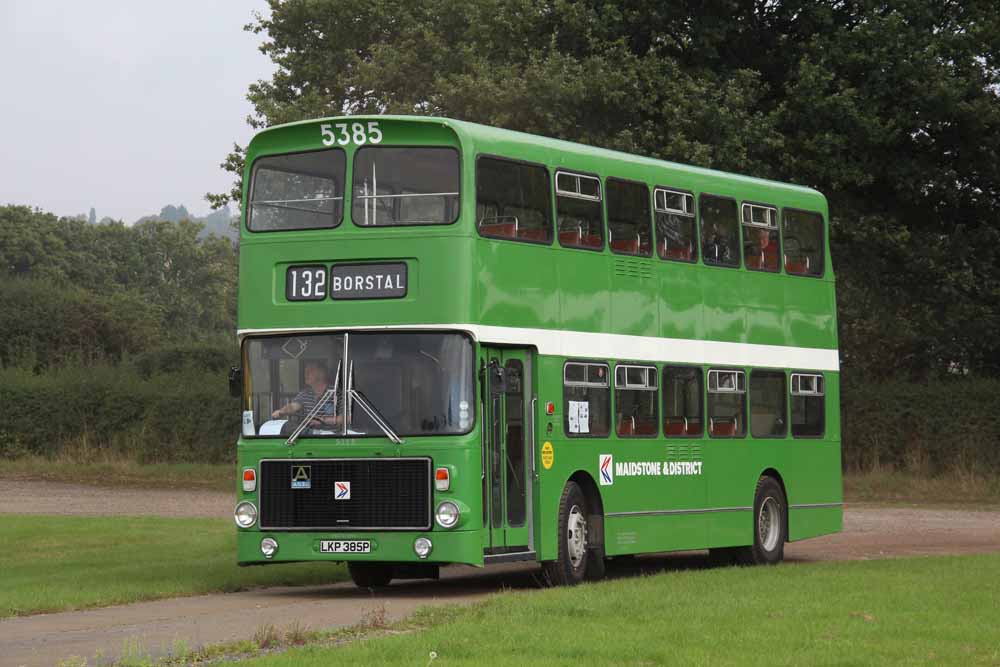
[506, 439]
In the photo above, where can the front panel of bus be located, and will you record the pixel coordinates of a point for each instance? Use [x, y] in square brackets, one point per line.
[360, 436]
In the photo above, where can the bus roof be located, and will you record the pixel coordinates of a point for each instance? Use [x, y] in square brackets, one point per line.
[477, 132]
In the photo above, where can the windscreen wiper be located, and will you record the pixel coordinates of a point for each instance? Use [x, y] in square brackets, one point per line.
[328, 395]
[374, 415]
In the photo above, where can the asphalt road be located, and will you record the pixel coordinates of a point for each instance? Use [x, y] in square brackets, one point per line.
[157, 626]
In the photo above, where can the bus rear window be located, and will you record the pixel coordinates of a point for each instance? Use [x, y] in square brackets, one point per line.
[405, 186]
[803, 232]
[299, 191]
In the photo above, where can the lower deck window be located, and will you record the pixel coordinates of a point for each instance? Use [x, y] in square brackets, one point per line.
[808, 405]
[586, 400]
[635, 401]
[727, 403]
[682, 391]
[767, 404]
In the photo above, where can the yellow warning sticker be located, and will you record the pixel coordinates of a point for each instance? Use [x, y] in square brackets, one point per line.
[548, 455]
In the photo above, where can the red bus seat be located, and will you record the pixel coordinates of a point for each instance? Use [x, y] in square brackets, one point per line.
[630, 246]
[533, 234]
[506, 230]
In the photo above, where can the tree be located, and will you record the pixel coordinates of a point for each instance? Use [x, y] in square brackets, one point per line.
[892, 109]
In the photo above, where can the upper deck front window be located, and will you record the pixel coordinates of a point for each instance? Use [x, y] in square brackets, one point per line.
[297, 191]
[405, 186]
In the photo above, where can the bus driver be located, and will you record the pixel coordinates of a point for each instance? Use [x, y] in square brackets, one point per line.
[317, 380]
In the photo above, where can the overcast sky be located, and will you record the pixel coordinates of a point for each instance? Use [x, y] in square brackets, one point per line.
[123, 106]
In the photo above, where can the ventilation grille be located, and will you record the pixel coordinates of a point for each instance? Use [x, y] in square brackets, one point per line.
[684, 452]
[633, 268]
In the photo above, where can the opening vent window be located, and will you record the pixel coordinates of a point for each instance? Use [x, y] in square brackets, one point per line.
[673, 213]
[579, 211]
[635, 401]
[405, 186]
[761, 246]
[808, 405]
[727, 403]
[512, 201]
[803, 232]
[720, 234]
[682, 401]
[299, 191]
[628, 218]
[767, 404]
[586, 400]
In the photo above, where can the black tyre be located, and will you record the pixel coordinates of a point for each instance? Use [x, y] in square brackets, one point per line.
[576, 559]
[770, 523]
[370, 575]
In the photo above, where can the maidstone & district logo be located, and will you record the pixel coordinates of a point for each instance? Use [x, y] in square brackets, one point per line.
[606, 464]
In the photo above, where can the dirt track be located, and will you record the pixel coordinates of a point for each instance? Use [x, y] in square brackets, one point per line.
[156, 626]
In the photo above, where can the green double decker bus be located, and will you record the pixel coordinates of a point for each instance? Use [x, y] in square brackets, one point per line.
[462, 344]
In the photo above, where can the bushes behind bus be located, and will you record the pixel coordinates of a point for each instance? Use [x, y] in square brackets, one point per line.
[95, 412]
[948, 426]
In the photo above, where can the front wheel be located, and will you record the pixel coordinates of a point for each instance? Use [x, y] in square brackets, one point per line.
[370, 575]
[770, 510]
[574, 533]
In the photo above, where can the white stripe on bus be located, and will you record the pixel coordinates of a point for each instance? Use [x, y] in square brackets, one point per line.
[583, 344]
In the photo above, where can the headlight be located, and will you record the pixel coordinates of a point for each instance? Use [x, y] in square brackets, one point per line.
[422, 547]
[268, 546]
[447, 514]
[245, 515]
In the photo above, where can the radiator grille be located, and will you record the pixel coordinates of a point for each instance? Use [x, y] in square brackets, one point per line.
[385, 494]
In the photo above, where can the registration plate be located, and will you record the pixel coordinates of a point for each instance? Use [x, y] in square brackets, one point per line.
[345, 546]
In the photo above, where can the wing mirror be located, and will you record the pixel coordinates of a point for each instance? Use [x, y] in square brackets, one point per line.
[235, 381]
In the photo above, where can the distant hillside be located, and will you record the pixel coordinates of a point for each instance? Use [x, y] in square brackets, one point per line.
[217, 222]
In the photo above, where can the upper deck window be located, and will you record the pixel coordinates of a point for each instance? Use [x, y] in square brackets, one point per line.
[405, 186]
[675, 235]
[298, 191]
[720, 233]
[513, 200]
[803, 242]
[628, 218]
[578, 210]
[761, 247]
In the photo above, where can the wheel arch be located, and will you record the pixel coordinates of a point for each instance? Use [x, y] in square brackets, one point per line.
[595, 505]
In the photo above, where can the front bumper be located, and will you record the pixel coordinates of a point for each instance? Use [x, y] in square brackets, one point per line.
[458, 546]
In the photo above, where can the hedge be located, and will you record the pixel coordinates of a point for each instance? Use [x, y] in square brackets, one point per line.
[183, 416]
[951, 425]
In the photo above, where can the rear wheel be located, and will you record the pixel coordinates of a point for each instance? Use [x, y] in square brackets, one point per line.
[370, 575]
[571, 567]
[770, 510]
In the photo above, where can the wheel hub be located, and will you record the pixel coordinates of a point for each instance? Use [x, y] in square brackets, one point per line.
[576, 537]
[769, 524]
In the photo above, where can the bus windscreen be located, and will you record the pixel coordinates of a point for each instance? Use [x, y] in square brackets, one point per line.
[420, 383]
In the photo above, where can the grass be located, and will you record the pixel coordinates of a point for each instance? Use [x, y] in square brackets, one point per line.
[63, 563]
[940, 611]
[121, 472]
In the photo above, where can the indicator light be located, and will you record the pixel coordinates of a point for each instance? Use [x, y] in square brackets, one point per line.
[249, 480]
[442, 479]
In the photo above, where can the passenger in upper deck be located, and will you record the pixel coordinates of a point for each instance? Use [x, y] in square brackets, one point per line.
[762, 253]
[317, 379]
